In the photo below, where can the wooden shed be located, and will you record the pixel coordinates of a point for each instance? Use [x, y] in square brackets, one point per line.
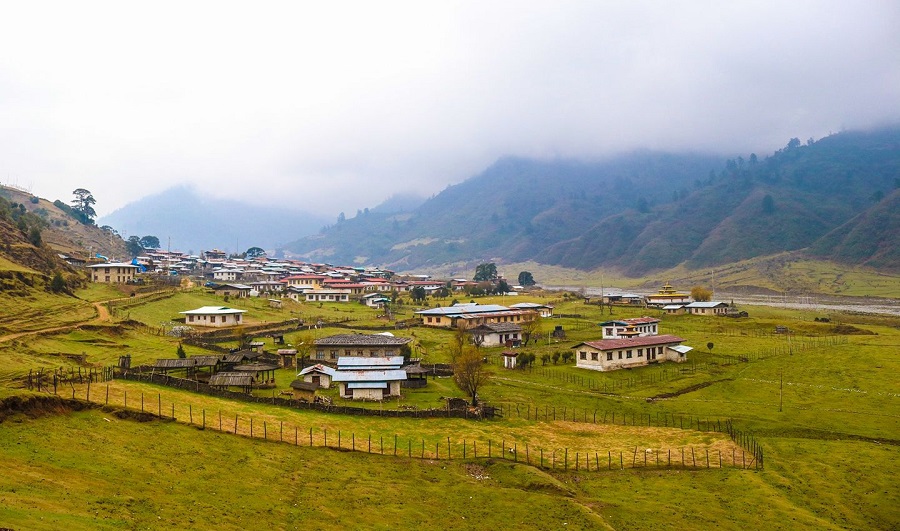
[305, 391]
[224, 380]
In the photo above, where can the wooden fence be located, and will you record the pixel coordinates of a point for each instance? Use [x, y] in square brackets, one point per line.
[445, 448]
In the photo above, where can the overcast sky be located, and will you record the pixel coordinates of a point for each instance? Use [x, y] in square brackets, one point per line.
[334, 106]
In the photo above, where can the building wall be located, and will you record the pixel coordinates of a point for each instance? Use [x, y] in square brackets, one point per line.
[324, 380]
[329, 352]
[599, 360]
[112, 275]
[217, 321]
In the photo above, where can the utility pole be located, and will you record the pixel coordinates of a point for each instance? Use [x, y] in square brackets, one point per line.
[781, 393]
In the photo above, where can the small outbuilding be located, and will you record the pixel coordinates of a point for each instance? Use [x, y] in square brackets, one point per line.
[509, 359]
[305, 391]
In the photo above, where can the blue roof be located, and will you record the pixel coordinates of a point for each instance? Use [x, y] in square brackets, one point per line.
[461, 309]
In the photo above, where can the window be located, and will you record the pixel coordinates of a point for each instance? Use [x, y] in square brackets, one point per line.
[346, 352]
[333, 354]
[640, 353]
[609, 331]
[429, 319]
[628, 354]
[388, 353]
[620, 354]
[359, 352]
[609, 356]
[583, 355]
[594, 356]
[320, 354]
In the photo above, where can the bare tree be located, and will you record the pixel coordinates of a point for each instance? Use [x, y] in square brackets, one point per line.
[470, 372]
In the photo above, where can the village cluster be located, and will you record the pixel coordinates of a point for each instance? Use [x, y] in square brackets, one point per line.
[376, 366]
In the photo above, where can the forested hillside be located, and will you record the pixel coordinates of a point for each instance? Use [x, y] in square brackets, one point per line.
[646, 211]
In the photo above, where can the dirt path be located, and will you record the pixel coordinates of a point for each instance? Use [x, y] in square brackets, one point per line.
[101, 317]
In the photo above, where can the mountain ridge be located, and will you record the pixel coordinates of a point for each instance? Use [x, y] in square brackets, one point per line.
[640, 212]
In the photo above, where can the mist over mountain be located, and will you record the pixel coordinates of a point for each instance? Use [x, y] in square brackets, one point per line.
[645, 211]
[196, 222]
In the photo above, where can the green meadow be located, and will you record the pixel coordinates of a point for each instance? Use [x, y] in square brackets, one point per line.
[822, 402]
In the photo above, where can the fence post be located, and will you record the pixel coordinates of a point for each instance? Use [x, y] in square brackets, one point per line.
[107, 391]
[310, 437]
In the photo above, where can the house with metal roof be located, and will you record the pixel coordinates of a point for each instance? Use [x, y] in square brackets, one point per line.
[215, 316]
[113, 273]
[473, 314]
[360, 345]
[612, 354]
[638, 326]
[369, 378]
[707, 308]
[318, 374]
[496, 334]
[544, 310]
[233, 290]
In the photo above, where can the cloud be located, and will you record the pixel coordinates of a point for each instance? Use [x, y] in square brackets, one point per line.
[336, 106]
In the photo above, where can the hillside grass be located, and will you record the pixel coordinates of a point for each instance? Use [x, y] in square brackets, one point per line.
[830, 441]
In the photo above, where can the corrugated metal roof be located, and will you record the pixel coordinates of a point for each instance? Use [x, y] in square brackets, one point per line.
[374, 340]
[646, 341]
[463, 309]
[176, 363]
[304, 386]
[213, 310]
[229, 379]
[317, 368]
[256, 367]
[711, 304]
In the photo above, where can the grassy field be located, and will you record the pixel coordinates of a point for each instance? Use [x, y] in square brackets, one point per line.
[822, 402]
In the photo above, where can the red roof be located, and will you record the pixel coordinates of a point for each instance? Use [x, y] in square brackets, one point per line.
[297, 277]
[646, 341]
[641, 320]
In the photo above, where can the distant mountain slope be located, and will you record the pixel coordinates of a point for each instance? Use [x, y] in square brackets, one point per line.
[513, 210]
[643, 211]
[870, 239]
[195, 222]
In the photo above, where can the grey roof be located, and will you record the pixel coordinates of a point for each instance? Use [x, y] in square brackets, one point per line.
[256, 367]
[206, 361]
[325, 369]
[499, 328]
[529, 305]
[233, 286]
[176, 363]
[711, 304]
[374, 340]
[304, 386]
[228, 379]
[459, 309]
[213, 310]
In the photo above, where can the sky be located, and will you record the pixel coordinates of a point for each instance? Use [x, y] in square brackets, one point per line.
[335, 106]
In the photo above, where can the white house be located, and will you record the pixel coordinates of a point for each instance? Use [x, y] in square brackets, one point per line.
[544, 310]
[217, 316]
[328, 295]
[638, 326]
[320, 375]
[707, 308]
[496, 334]
[369, 378]
[612, 354]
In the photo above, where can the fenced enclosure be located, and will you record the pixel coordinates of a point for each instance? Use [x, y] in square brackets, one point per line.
[744, 454]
